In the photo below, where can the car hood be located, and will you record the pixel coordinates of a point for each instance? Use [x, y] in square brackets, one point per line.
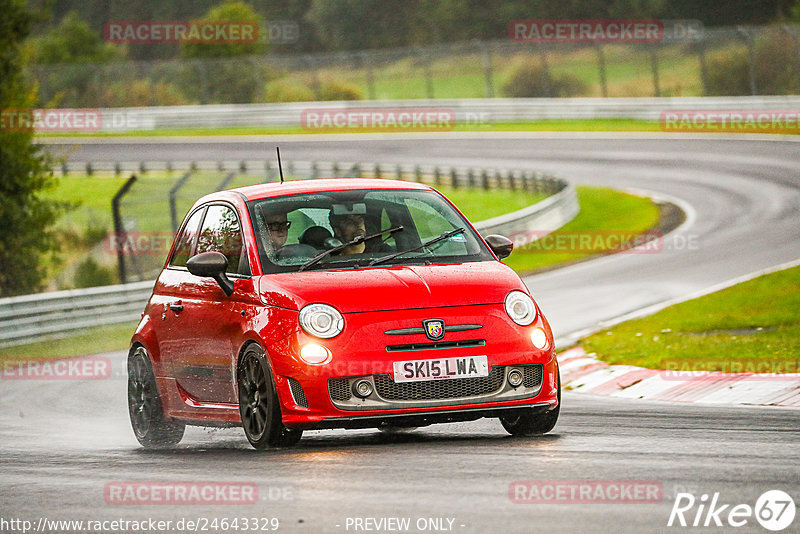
[393, 288]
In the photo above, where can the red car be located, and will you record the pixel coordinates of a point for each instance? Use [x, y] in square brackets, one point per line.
[343, 303]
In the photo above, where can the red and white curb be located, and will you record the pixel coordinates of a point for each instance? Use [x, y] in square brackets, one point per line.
[584, 373]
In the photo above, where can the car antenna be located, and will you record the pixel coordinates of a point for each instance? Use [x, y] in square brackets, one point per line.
[280, 168]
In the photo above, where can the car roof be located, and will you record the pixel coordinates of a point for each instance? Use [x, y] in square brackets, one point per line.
[294, 187]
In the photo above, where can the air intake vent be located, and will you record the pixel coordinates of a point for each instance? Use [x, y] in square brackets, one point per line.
[298, 393]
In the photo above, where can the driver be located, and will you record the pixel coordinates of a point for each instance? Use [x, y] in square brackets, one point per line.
[347, 228]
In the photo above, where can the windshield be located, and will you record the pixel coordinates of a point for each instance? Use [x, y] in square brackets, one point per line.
[347, 229]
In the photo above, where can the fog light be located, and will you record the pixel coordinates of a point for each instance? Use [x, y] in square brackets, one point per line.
[539, 338]
[315, 354]
[514, 377]
[362, 388]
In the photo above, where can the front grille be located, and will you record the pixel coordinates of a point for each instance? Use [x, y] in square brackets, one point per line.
[440, 389]
[388, 391]
[532, 375]
[339, 389]
[437, 345]
[298, 393]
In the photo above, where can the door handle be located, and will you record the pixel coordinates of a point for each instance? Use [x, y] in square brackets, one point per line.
[177, 308]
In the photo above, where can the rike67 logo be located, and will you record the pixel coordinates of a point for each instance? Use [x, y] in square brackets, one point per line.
[774, 510]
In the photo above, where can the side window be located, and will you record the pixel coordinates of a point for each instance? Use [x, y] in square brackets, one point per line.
[183, 250]
[221, 233]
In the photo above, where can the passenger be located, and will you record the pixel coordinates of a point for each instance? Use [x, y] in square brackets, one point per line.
[277, 229]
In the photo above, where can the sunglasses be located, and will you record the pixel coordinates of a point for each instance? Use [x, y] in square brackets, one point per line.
[279, 225]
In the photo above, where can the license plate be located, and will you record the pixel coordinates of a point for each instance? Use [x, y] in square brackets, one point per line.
[441, 369]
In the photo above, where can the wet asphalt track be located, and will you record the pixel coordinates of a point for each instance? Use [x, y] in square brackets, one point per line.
[61, 443]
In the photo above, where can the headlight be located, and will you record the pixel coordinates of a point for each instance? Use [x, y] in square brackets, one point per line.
[321, 320]
[520, 308]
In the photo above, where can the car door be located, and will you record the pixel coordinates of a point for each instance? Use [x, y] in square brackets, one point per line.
[206, 325]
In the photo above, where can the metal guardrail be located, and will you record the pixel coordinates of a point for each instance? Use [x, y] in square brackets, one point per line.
[466, 111]
[33, 317]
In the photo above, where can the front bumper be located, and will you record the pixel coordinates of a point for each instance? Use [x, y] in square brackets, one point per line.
[321, 396]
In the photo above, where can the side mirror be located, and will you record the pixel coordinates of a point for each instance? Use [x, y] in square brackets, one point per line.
[211, 265]
[500, 245]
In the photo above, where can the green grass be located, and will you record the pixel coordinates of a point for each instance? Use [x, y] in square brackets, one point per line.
[605, 213]
[478, 205]
[751, 327]
[567, 125]
[89, 341]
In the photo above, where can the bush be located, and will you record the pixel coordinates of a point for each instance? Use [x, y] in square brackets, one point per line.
[91, 274]
[729, 69]
[288, 91]
[337, 90]
[142, 93]
[529, 78]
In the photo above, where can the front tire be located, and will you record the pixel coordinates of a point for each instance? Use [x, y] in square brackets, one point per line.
[152, 429]
[259, 405]
[527, 422]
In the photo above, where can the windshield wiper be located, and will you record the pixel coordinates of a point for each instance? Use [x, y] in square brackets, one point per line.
[354, 241]
[442, 237]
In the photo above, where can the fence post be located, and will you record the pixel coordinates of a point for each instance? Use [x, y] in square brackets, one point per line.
[487, 69]
[119, 229]
[437, 177]
[747, 35]
[225, 181]
[654, 67]
[546, 74]
[366, 60]
[201, 67]
[399, 172]
[796, 45]
[701, 55]
[173, 193]
[426, 58]
[601, 65]
[453, 178]
[484, 180]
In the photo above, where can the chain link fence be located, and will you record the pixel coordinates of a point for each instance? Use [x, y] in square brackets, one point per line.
[149, 208]
[716, 62]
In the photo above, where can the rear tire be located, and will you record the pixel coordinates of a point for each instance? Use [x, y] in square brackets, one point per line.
[259, 405]
[527, 422]
[151, 428]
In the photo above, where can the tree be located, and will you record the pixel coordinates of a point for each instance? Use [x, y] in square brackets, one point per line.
[67, 49]
[216, 75]
[24, 169]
